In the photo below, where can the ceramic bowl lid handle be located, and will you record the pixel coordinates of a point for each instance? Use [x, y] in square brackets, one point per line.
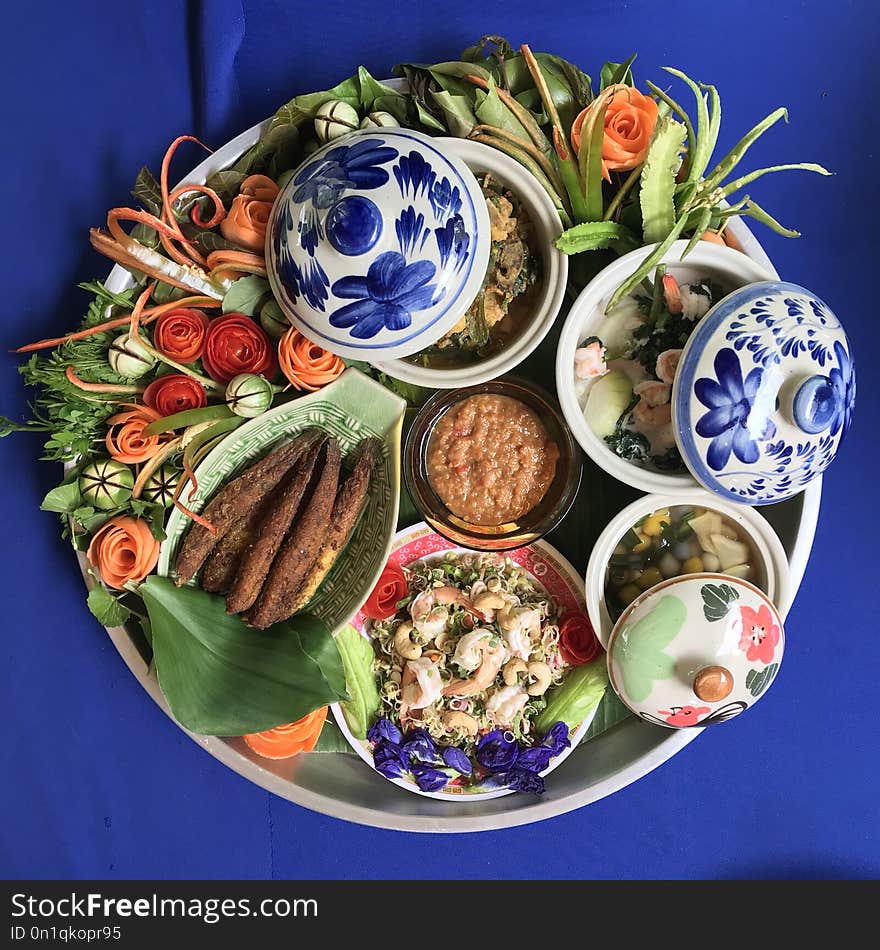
[713, 683]
[816, 404]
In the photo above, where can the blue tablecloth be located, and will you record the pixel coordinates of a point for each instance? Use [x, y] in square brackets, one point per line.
[96, 780]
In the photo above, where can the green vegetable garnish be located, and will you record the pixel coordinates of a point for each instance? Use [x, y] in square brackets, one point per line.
[576, 697]
[357, 660]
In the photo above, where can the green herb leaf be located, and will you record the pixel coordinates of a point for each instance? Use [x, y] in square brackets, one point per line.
[611, 711]
[246, 295]
[64, 499]
[360, 683]
[613, 73]
[147, 191]
[332, 739]
[106, 608]
[220, 677]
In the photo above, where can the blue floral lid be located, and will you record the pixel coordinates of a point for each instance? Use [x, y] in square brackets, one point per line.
[378, 244]
[764, 393]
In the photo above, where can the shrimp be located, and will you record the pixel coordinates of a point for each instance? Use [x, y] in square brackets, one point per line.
[667, 364]
[489, 668]
[521, 626]
[653, 407]
[694, 303]
[469, 649]
[428, 609]
[504, 703]
[420, 686]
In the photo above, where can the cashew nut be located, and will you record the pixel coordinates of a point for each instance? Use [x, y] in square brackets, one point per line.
[460, 720]
[488, 601]
[512, 668]
[404, 645]
[540, 674]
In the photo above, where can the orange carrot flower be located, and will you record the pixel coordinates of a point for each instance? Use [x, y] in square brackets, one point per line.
[282, 742]
[123, 550]
[245, 224]
[180, 334]
[630, 118]
[126, 441]
[306, 365]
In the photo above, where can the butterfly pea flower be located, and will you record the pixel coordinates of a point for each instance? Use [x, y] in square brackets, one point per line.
[456, 759]
[384, 729]
[522, 780]
[389, 752]
[390, 768]
[496, 752]
[419, 745]
[429, 779]
[535, 759]
[556, 739]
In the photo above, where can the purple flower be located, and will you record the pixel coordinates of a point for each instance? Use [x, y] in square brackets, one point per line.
[419, 745]
[456, 759]
[521, 780]
[384, 729]
[556, 739]
[386, 296]
[428, 779]
[535, 759]
[729, 400]
[389, 759]
[495, 752]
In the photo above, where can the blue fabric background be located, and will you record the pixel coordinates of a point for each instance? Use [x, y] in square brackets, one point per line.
[95, 780]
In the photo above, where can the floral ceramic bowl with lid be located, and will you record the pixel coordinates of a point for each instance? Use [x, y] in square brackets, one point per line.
[378, 244]
[695, 650]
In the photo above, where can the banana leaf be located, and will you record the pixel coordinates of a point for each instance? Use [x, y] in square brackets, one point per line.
[223, 678]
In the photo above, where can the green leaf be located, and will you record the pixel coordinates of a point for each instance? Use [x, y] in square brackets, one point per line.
[64, 499]
[576, 697]
[753, 210]
[639, 651]
[221, 677]
[735, 155]
[648, 264]
[360, 682]
[226, 183]
[208, 241]
[611, 711]
[371, 90]
[738, 183]
[658, 179]
[717, 599]
[701, 147]
[491, 110]
[457, 110]
[302, 108]
[106, 608]
[246, 295]
[332, 739]
[147, 191]
[591, 236]
[613, 73]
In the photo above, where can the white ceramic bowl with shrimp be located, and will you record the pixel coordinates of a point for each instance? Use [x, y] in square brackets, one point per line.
[722, 265]
[545, 566]
[773, 572]
[551, 284]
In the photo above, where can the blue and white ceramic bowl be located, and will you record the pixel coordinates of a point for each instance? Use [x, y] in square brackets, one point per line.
[764, 393]
[378, 244]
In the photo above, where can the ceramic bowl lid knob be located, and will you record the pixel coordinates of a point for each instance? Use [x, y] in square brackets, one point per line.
[713, 683]
[378, 244]
[695, 650]
[764, 393]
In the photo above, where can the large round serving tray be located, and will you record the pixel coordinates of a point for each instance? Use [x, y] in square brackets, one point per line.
[340, 784]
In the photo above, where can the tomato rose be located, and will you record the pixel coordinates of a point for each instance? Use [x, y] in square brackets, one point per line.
[578, 642]
[180, 334]
[392, 587]
[175, 393]
[236, 344]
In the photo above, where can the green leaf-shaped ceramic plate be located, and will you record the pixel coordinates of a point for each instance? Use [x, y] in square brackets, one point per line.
[352, 408]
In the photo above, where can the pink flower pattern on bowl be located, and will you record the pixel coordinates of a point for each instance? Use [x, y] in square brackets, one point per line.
[759, 634]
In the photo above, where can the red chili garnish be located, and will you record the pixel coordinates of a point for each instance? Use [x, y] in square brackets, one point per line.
[391, 588]
[175, 393]
[578, 643]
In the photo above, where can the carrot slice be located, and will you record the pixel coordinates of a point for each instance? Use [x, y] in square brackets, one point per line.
[288, 740]
[306, 365]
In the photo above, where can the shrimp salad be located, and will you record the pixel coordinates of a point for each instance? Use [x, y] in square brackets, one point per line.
[624, 380]
[467, 659]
